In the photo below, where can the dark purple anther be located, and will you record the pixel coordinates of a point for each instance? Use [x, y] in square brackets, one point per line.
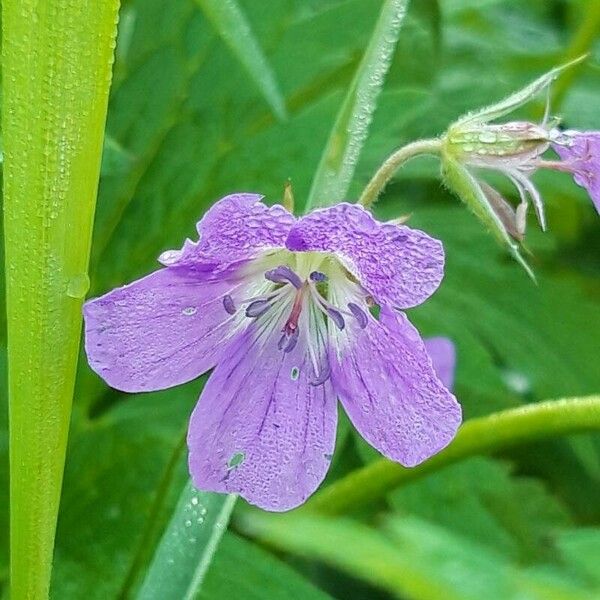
[318, 276]
[258, 308]
[283, 274]
[229, 305]
[321, 377]
[288, 342]
[336, 316]
[359, 314]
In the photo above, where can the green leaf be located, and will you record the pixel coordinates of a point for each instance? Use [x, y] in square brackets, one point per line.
[580, 549]
[349, 133]
[232, 25]
[188, 545]
[241, 569]
[481, 500]
[414, 559]
[56, 63]
[125, 470]
[350, 546]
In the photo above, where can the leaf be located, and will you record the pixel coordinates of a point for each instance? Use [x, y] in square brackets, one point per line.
[580, 549]
[415, 559]
[482, 500]
[241, 569]
[350, 546]
[231, 24]
[124, 472]
[53, 116]
[349, 133]
[188, 545]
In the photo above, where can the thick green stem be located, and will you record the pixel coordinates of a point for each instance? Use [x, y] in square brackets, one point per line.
[56, 63]
[392, 164]
[477, 436]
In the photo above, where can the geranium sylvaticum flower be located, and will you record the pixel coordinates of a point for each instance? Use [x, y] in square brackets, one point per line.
[292, 314]
[515, 149]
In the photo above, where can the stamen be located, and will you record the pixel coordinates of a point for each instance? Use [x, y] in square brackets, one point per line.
[283, 274]
[318, 276]
[288, 342]
[322, 377]
[336, 317]
[359, 314]
[229, 305]
[258, 308]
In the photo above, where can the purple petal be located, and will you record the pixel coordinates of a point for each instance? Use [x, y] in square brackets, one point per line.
[397, 265]
[236, 228]
[582, 150]
[159, 331]
[260, 428]
[442, 352]
[385, 380]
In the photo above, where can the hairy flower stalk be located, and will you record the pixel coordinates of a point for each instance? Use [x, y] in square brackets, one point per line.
[281, 308]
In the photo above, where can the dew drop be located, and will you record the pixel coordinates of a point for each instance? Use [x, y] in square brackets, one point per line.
[189, 311]
[488, 137]
[295, 373]
[78, 286]
[517, 382]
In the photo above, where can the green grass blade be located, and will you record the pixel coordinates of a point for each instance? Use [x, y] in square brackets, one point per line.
[231, 24]
[349, 133]
[56, 63]
[187, 546]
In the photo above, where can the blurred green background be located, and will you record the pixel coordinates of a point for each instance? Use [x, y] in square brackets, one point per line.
[186, 125]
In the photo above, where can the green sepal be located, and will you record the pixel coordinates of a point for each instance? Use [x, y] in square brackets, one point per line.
[460, 181]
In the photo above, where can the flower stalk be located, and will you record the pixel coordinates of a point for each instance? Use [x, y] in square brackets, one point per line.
[484, 435]
[56, 63]
[396, 160]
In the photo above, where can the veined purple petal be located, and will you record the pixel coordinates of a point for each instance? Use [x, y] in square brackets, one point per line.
[236, 228]
[260, 429]
[159, 331]
[397, 265]
[386, 382]
[582, 151]
[442, 352]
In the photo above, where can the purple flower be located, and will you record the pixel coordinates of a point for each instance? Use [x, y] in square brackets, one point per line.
[282, 309]
[580, 154]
